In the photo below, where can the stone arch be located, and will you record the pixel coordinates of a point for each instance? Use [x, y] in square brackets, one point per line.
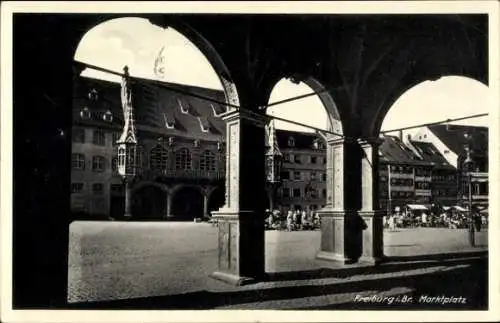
[216, 198]
[179, 187]
[406, 84]
[187, 202]
[142, 184]
[201, 43]
[333, 112]
[149, 202]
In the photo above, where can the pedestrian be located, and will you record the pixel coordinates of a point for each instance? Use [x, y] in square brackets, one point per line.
[392, 222]
[289, 220]
[296, 219]
[303, 219]
[477, 222]
[424, 219]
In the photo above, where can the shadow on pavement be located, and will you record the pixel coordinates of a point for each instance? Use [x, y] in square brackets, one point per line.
[459, 278]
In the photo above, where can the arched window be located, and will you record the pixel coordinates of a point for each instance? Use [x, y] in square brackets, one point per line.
[183, 159]
[207, 161]
[158, 159]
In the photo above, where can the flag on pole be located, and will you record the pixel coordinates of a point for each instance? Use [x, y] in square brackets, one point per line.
[159, 67]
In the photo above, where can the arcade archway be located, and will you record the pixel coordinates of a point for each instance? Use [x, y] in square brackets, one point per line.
[421, 177]
[187, 203]
[368, 61]
[216, 199]
[149, 203]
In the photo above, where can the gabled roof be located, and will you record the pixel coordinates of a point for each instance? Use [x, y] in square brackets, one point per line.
[153, 106]
[393, 150]
[301, 140]
[431, 154]
[453, 137]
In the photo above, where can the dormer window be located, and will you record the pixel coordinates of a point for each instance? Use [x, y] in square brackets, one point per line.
[216, 109]
[85, 113]
[107, 116]
[315, 144]
[184, 106]
[291, 142]
[204, 124]
[92, 95]
[169, 121]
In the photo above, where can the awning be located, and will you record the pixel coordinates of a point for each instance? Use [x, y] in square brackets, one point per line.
[416, 207]
[459, 208]
[484, 211]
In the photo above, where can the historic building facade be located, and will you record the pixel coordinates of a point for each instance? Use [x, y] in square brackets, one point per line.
[466, 149]
[181, 158]
[180, 151]
[303, 174]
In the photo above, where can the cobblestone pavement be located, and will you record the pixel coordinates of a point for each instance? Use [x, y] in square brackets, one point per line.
[166, 265]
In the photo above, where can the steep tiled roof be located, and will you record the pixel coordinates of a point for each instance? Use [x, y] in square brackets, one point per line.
[154, 106]
[301, 140]
[431, 154]
[453, 137]
[395, 151]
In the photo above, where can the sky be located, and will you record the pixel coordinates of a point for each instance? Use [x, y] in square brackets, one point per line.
[137, 43]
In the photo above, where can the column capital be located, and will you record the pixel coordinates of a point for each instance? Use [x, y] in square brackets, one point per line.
[370, 142]
[335, 140]
[258, 119]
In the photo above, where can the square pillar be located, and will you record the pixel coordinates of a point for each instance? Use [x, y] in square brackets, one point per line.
[168, 208]
[373, 243]
[241, 241]
[340, 225]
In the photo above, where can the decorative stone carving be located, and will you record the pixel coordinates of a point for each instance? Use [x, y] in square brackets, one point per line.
[197, 143]
[233, 157]
[171, 141]
[231, 92]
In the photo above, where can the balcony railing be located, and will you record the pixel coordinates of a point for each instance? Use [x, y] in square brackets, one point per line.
[398, 188]
[401, 175]
[183, 173]
[423, 192]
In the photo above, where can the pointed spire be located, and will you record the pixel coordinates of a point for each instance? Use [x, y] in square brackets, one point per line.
[129, 133]
[272, 141]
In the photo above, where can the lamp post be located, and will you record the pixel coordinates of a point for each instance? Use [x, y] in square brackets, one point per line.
[127, 143]
[467, 165]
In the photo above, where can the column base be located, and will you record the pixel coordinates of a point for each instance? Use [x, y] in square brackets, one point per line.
[334, 257]
[373, 242]
[235, 279]
[372, 261]
[241, 258]
[339, 242]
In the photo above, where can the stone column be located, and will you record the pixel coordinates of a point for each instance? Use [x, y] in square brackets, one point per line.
[373, 245]
[128, 199]
[205, 205]
[339, 220]
[241, 219]
[168, 213]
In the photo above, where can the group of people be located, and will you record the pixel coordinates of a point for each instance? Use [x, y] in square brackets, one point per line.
[293, 220]
[452, 220]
